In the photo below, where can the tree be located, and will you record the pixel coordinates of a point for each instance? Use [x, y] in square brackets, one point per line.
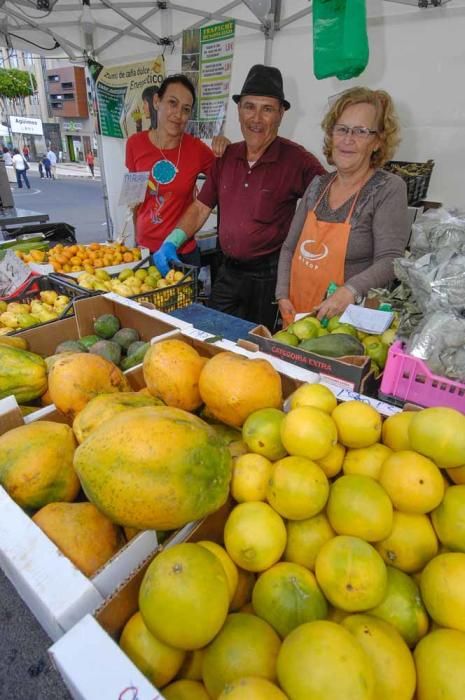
[16, 83]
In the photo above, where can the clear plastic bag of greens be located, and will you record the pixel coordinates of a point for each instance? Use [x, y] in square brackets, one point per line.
[340, 39]
[436, 229]
[440, 341]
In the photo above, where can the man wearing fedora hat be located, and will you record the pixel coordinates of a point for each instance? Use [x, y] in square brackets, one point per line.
[256, 185]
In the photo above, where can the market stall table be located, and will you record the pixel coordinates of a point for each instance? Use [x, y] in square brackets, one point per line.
[14, 215]
[215, 322]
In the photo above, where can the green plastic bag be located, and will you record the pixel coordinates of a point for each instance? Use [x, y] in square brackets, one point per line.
[340, 40]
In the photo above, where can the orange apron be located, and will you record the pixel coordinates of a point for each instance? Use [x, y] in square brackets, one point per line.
[319, 258]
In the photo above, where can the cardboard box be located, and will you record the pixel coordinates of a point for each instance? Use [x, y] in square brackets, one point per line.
[352, 373]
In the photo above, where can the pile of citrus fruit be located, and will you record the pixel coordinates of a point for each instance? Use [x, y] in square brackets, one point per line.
[79, 258]
[341, 571]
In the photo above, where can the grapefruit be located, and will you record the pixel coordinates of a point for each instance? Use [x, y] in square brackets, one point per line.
[246, 646]
[156, 660]
[252, 688]
[230, 569]
[286, 596]
[308, 432]
[184, 596]
[191, 668]
[449, 519]
[251, 473]
[359, 506]
[254, 536]
[305, 538]
[332, 463]
[439, 433]
[243, 593]
[297, 488]
[411, 544]
[185, 690]
[402, 607]
[394, 432]
[316, 395]
[366, 460]
[323, 660]
[351, 574]
[440, 663]
[261, 433]
[442, 586]
[413, 482]
[358, 424]
[393, 666]
[457, 475]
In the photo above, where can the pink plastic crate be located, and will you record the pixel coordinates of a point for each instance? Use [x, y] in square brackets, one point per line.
[408, 378]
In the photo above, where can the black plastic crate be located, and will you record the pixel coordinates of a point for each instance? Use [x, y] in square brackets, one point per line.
[167, 299]
[415, 175]
[51, 232]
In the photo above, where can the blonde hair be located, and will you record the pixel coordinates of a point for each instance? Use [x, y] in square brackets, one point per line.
[386, 119]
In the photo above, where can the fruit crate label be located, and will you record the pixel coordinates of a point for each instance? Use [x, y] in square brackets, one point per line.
[13, 273]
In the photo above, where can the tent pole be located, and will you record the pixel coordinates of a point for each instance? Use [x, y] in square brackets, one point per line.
[103, 180]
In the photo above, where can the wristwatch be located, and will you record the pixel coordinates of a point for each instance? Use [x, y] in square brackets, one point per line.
[358, 298]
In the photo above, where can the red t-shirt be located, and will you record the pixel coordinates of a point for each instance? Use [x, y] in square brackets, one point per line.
[164, 204]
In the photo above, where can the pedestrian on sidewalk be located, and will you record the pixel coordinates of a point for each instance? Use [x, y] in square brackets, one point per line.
[41, 169]
[26, 152]
[7, 157]
[20, 165]
[47, 165]
[53, 162]
[90, 160]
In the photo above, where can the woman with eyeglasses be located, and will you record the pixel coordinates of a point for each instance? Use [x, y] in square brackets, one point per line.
[351, 223]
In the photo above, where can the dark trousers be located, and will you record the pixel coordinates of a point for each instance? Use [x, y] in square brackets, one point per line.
[247, 290]
[22, 174]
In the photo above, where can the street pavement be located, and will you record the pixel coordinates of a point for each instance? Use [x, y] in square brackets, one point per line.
[63, 170]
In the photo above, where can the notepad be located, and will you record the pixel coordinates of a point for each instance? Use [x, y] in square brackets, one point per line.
[367, 320]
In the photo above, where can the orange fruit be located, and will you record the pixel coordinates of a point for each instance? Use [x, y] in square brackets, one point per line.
[323, 661]
[449, 519]
[411, 544]
[442, 586]
[185, 690]
[156, 660]
[440, 664]
[351, 574]
[243, 592]
[332, 463]
[393, 666]
[246, 646]
[439, 433]
[261, 433]
[308, 432]
[305, 539]
[403, 607]
[366, 460]
[316, 395]
[254, 536]
[252, 688]
[358, 424]
[457, 475]
[413, 482]
[184, 596]
[251, 473]
[360, 507]
[230, 569]
[191, 668]
[297, 488]
[286, 596]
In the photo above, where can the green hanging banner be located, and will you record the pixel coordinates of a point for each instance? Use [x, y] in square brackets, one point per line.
[340, 39]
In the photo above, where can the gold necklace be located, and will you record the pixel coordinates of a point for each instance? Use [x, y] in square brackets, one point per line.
[164, 171]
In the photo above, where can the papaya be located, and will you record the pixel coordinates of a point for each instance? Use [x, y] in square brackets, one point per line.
[154, 468]
[22, 374]
[334, 345]
[36, 464]
[232, 387]
[105, 406]
[14, 342]
[77, 378]
[81, 532]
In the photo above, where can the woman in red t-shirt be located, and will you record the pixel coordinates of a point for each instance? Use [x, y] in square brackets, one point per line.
[174, 160]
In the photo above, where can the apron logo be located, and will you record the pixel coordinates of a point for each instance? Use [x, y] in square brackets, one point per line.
[313, 256]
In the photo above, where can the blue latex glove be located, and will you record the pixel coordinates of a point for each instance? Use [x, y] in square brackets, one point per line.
[166, 254]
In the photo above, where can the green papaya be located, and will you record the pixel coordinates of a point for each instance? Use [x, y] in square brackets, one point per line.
[22, 374]
[334, 345]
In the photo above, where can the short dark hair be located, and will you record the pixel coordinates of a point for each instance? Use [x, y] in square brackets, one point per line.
[15, 150]
[177, 78]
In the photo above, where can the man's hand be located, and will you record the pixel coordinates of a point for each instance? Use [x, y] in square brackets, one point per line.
[287, 311]
[335, 304]
[219, 145]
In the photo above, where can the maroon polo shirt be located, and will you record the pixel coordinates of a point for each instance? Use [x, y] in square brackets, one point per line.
[257, 203]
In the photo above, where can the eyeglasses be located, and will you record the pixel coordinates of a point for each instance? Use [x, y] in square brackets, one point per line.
[358, 132]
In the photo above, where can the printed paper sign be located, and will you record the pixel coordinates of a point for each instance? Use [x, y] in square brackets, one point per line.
[13, 273]
[133, 189]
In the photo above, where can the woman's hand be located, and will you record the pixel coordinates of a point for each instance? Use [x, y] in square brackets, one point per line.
[219, 145]
[335, 304]
[287, 311]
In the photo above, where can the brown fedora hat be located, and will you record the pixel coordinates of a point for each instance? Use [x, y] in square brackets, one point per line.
[264, 81]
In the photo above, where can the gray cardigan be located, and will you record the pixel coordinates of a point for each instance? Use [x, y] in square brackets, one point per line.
[380, 231]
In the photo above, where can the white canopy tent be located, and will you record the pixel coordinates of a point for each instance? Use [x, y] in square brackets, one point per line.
[417, 54]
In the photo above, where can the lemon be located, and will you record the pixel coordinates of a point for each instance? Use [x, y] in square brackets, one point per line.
[316, 395]
[308, 432]
[251, 473]
[411, 543]
[305, 538]
[413, 482]
[332, 463]
[394, 433]
[297, 488]
[449, 519]
[254, 536]
[261, 433]
[366, 460]
[358, 424]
